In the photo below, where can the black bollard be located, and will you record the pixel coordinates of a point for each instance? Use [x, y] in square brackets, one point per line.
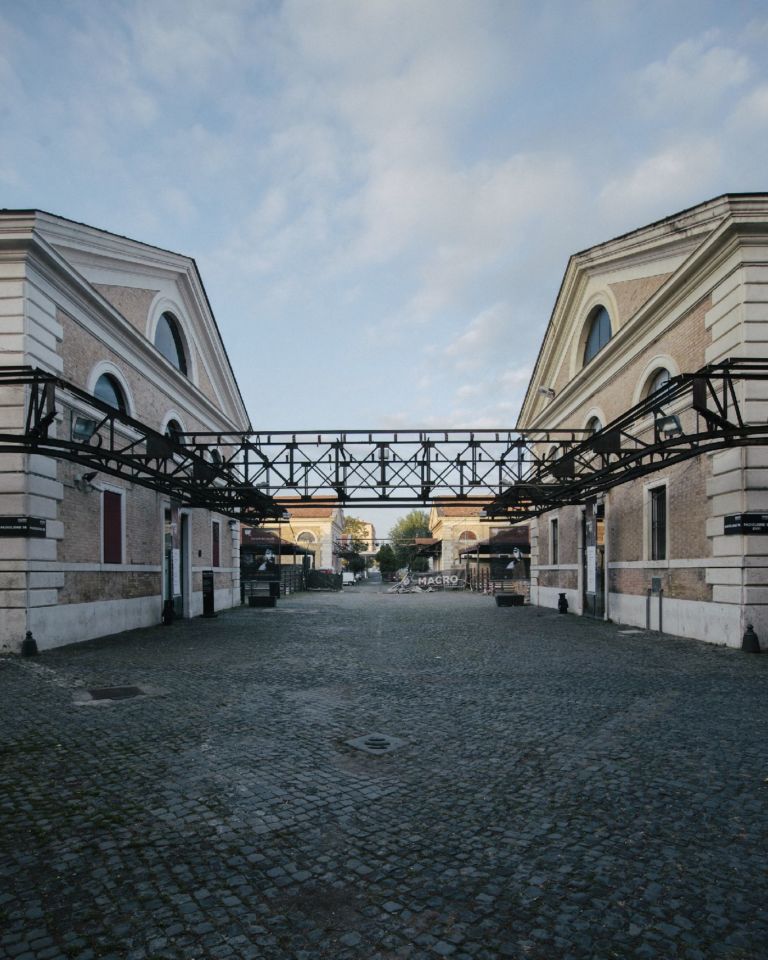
[29, 645]
[749, 642]
[562, 603]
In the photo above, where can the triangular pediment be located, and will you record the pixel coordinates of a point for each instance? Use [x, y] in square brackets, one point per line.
[141, 283]
[624, 275]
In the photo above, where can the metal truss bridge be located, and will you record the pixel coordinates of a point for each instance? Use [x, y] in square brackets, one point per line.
[258, 476]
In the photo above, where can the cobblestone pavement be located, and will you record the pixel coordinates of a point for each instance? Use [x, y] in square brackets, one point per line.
[565, 789]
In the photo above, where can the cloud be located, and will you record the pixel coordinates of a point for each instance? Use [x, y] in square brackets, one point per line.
[681, 173]
[189, 43]
[752, 109]
[694, 78]
[457, 207]
[481, 338]
[454, 223]
[494, 399]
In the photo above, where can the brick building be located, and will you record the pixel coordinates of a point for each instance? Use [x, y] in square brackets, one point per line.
[664, 299]
[131, 325]
[457, 527]
[317, 528]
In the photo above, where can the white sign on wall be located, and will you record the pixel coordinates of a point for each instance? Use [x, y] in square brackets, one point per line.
[176, 565]
[591, 569]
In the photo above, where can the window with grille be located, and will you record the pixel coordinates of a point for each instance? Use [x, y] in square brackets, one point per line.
[554, 542]
[599, 333]
[215, 541]
[112, 527]
[108, 390]
[169, 342]
[658, 504]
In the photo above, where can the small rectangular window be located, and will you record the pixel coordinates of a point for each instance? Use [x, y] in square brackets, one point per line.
[554, 542]
[215, 556]
[658, 523]
[112, 527]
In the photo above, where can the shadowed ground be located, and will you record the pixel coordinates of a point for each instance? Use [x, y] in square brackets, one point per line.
[564, 789]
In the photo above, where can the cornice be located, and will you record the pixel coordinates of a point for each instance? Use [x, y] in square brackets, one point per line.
[105, 247]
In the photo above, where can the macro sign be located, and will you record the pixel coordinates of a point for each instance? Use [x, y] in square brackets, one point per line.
[439, 580]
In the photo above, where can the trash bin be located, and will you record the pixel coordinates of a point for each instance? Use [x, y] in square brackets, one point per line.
[509, 599]
[208, 604]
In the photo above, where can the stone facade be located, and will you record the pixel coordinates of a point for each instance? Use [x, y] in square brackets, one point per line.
[456, 527]
[690, 290]
[80, 302]
[317, 528]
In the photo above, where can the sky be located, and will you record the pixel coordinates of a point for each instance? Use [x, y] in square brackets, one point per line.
[381, 195]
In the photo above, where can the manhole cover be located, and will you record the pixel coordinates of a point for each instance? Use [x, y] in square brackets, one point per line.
[115, 693]
[376, 743]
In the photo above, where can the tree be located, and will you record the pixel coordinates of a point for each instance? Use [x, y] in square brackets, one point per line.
[386, 559]
[357, 531]
[403, 534]
[356, 563]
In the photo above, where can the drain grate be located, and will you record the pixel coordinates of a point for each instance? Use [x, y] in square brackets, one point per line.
[376, 743]
[115, 693]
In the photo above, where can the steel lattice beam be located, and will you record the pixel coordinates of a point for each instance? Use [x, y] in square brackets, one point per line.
[695, 413]
[254, 476]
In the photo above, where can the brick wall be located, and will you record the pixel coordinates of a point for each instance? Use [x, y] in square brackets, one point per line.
[91, 587]
[626, 523]
[132, 302]
[81, 353]
[630, 295]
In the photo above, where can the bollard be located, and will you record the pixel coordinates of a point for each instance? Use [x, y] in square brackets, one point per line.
[750, 642]
[29, 645]
[208, 594]
[562, 603]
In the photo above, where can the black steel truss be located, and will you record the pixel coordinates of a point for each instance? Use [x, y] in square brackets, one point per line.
[694, 413]
[65, 422]
[255, 476]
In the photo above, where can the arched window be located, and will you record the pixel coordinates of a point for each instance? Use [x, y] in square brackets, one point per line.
[594, 426]
[108, 390]
[466, 536]
[169, 342]
[306, 539]
[599, 333]
[173, 431]
[659, 383]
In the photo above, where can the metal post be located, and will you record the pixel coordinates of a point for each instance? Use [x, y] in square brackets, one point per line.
[648, 610]
[661, 597]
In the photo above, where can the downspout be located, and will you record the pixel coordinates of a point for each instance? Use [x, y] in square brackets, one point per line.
[607, 555]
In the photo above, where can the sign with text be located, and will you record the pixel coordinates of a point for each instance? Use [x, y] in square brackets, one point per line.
[22, 527]
[746, 523]
[591, 569]
[439, 580]
[176, 571]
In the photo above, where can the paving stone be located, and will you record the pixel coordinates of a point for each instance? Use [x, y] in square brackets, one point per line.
[444, 949]
[565, 791]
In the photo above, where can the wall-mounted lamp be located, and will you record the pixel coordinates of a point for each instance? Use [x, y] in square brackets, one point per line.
[83, 428]
[84, 481]
[668, 426]
[232, 524]
[547, 392]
